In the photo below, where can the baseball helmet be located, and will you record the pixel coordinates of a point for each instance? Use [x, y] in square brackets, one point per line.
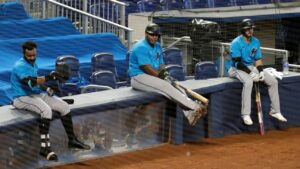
[153, 28]
[247, 24]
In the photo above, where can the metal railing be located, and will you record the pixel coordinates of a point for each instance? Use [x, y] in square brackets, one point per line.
[86, 22]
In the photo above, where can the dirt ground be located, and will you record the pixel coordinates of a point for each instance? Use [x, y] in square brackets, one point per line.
[275, 150]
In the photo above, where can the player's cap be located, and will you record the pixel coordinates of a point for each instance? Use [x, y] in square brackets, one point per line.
[153, 29]
[247, 24]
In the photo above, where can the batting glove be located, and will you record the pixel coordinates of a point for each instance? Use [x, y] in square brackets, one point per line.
[261, 76]
[254, 76]
[163, 74]
[50, 91]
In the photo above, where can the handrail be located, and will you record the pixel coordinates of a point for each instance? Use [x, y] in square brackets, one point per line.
[90, 15]
[118, 2]
[178, 40]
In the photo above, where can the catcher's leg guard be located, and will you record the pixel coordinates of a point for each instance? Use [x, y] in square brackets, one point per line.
[73, 141]
[45, 150]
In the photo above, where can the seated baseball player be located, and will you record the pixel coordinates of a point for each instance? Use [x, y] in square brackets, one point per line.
[30, 93]
[246, 59]
[146, 69]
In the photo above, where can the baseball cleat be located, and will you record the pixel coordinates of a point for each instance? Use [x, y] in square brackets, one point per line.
[279, 117]
[48, 154]
[191, 116]
[75, 143]
[200, 112]
[194, 115]
[247, 120]
[202, 108]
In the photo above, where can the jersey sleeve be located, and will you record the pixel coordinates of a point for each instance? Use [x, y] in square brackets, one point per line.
[22, 71]
[235, 50]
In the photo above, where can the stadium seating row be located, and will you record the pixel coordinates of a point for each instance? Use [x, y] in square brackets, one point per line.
[156, 5]
[203, 70]
[104, 75]
[111, 11]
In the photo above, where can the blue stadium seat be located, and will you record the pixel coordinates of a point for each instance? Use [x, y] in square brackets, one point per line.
[205, 70]
[100, 80]
[103, 61]
[104, 78]
[244, 2]
[71, 86]
[148, 5]
[264, 1]
[176, 71]
[73, 64]
[131, 7]
[224, 3]
[287, 1]
[193, 4]
[173, 5]
[172, 56]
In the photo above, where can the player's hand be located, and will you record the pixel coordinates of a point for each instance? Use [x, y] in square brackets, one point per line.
[171, 80]
[50, 91]
[261, 76]
[254, 76]
[163, 74]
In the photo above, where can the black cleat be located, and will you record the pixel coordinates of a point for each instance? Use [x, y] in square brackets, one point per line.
[48, 154]
[75, 143]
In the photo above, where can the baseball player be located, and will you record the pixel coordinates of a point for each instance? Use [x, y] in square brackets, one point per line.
[146, 69]
[247, 67]
[28, 95]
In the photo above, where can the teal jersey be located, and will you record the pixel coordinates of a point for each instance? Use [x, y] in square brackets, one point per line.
[249, 52]
[143, 54]
[21, 70]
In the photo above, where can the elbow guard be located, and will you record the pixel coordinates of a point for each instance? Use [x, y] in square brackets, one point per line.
[30, 81]
[239, 65]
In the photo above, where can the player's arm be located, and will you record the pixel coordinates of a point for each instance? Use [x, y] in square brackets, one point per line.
[33, 81]
[149, 70]
[237, 61]
[258, 58]
[236, 55]
[259, 65]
